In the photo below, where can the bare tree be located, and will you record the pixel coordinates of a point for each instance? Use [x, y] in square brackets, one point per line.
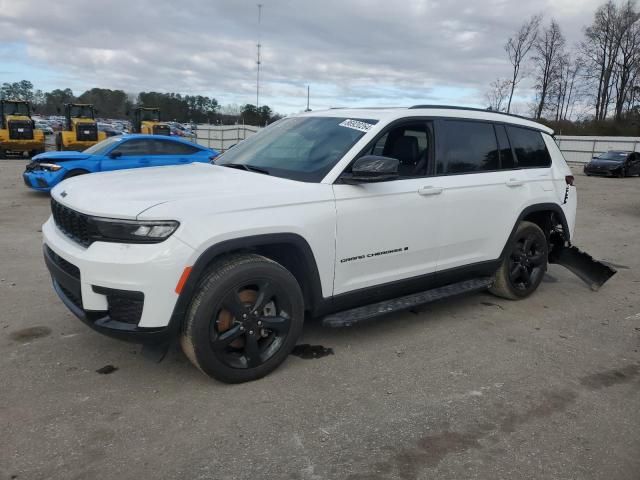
[518, 47]
[628, 62]
[548, 59]
[497, 94]
[600, 49]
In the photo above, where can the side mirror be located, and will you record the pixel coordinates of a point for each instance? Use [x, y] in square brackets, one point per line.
[372, 168]
[115, 155]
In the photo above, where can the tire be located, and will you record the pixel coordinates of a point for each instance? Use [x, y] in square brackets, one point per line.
[245, 318]
[524, 263]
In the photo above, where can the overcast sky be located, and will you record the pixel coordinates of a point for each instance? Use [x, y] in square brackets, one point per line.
[351, 52]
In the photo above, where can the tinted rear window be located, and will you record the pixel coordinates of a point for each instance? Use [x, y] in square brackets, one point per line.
[529, 146]
[467, 147]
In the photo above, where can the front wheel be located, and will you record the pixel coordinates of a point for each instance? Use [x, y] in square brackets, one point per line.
[524, 263]
[244, 319]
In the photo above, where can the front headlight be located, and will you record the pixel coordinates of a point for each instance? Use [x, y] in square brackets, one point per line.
[132, 231]
[50, 166]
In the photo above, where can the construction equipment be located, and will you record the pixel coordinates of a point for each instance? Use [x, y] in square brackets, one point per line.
[17, 129]
[147, 120]
[80, 129]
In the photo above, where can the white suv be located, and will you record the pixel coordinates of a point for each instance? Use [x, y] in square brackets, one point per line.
[344, 214]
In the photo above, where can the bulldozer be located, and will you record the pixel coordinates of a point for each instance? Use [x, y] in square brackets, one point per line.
[17, 129]
[147, 120]
[80, 129]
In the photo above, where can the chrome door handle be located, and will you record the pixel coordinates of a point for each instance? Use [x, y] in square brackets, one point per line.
[430, 190]
[514, 182]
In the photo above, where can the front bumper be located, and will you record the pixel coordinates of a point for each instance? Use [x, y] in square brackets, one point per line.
[602, 171]
[88, 279]
[42, 180]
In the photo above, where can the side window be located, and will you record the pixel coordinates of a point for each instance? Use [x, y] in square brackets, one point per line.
[531, 151]
[135, 147]
[164, 147]
[378, 147]
[467, 147]
[410, 143]
[506, 154]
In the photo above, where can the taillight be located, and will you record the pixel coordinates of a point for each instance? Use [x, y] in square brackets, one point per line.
[569, 179]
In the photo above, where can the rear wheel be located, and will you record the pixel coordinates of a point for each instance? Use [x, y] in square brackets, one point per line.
[244, 319]
[524, 264]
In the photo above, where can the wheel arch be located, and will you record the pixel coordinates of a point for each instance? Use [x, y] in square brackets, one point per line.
[546, 216]
[290, 250]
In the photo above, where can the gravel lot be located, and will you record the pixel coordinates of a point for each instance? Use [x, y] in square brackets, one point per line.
[476, 387]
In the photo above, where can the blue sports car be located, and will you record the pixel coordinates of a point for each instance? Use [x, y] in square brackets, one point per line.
[115, 153]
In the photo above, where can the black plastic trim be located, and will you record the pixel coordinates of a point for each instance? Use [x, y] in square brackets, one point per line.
[539, 207]
[100, 320]
[247, 244]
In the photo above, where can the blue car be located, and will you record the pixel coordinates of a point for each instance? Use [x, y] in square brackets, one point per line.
[48, 169]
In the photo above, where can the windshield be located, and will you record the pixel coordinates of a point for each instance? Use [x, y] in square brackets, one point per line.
[16, 109]
[81, 111]
[613, 155]
[299, 148]
[101, 147]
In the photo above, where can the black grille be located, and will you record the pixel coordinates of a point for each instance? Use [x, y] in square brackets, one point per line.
[124, 309]
[74, 225]
[87, 132]
[71, 296]
[161, 130]
[20, 130]
[68, 267]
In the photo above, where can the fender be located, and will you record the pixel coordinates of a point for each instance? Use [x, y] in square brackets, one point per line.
[313, 293]
[538, 207]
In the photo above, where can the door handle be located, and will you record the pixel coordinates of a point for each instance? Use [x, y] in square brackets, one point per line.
[514, 182]
[428, 190]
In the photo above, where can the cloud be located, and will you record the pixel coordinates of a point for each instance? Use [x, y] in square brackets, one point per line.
[355, 52]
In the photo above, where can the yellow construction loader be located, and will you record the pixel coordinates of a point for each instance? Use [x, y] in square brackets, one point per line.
[147, 120]
[17, 130]
[80, 129]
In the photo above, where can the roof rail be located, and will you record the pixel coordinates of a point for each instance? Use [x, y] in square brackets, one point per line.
[365, 108]
[472, 109]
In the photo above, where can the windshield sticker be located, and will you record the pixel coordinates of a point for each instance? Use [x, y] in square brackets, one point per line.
[357, 125]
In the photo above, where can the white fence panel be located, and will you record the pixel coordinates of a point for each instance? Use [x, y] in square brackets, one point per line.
[581, 149]
[222, 137]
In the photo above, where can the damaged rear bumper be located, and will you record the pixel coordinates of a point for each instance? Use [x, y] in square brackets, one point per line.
[591, 271]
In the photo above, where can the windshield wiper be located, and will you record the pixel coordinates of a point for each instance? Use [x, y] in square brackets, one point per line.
[248, 168]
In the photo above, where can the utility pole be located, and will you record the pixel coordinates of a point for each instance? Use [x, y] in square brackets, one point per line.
[258, 60]
[308, 109]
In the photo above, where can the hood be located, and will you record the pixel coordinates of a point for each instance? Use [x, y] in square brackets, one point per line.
[179, 188]
[60, 156]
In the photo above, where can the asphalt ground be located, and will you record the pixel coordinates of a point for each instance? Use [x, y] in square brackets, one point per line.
[474, 387]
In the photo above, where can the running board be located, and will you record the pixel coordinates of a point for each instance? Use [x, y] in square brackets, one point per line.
[348, 318]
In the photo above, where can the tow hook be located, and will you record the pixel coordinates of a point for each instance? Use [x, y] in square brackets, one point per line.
[591, 271]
